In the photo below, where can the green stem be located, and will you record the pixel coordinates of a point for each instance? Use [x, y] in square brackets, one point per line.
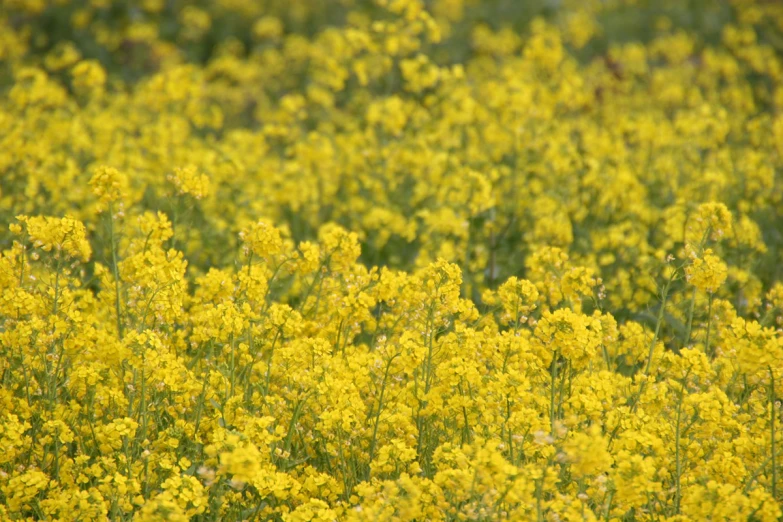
[200, 407]
[552, 392]
[539, 494]
[21, 268]
[677, 454]
[115, 271]
[658, 323]
[54, 369]
[709, 327]
[268, 378]
[233, 366]
[609, 505]
[56, 289]
[772, 433]
[749, 483]
[689, 329]
[374, 439]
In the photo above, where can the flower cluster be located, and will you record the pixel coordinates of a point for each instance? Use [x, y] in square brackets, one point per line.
[391, 260]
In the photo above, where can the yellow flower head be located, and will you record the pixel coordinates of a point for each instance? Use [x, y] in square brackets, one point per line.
[268, 28]
[707, 272]
[587, 452]
[262, 239]
[62, 235]
[518, 298]
[89, 77]
[711, 221]
[340, 246]
[109, 184]
[187, 180]
[575, 336]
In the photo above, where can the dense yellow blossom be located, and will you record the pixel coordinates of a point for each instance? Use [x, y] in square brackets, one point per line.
[108, 184]
[188, 181]
[62, 235]
[391, 260]
[707, 272]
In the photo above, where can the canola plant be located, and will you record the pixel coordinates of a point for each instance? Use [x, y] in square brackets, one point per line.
[391, 260]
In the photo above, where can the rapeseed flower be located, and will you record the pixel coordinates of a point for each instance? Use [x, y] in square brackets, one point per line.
[390, 260]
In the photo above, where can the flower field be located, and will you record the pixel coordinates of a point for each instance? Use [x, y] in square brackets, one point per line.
[391, 260]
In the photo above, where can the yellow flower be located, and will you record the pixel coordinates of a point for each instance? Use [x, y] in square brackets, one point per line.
[63, 55]
[89, 77]
[162, 507]
[707, 272]
[338, 246]
[188, 181]
[519, 274]
[575, 336]
[518, 298]
[262, 239]
[109, 185]
[63, 235]
[711, 221]
[314, 510]
[242, 463]
[268, 28]
[587, 452]
[22, 488]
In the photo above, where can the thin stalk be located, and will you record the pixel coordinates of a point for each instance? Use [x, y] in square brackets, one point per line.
[749, 483]
[678, 460]
[689, 329]
[143, 404]
[565, 374]
[52, 391]
[466, 429]
[374, 439]
[539, 494]
[540, 490]
[427, 370]
[115, 271]
[268, 378]
[510, 435]
[56, 288]
[658, 323]
[233, 366]
[200, 406]
[772, 433]
[21, 268]
[344, 466]
[292, 426]
[709, 327]
[609, 505]
[552, 391]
